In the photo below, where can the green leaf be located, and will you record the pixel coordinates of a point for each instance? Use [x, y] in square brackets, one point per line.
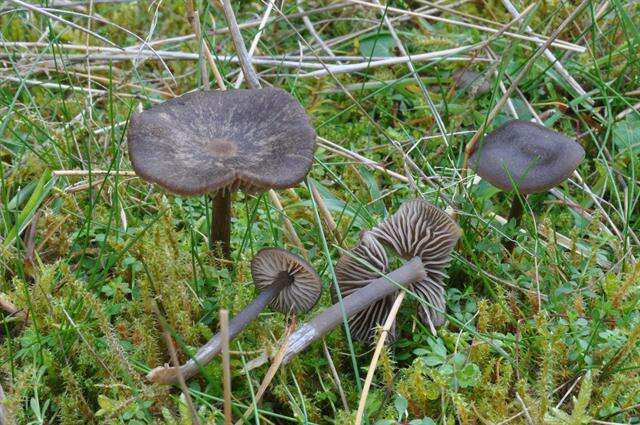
[626, 134]
[40, 192]
[380, 44]
[433, 360]
[469, 375]
[107, 406]
[401, 404]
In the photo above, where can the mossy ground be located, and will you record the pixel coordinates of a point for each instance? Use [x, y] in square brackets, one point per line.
[545, 336]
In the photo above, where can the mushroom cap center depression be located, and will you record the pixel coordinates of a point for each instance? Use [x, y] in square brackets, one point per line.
[221, 148]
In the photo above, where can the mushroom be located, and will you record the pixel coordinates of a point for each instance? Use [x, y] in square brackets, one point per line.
[421, 234]
[525, 157]
[419, 229]
[286, 281]
[217, 142]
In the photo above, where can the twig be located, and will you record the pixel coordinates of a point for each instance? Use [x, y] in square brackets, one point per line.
[335, 376]
[549, 54]
[253, 82]
[325, 213]
[226, 366]
[559, 44]
[256, 39]
[210, 59]
[161, 55]
[376, 356]
[241, 50]
[176, 363]
[309, 25]
[83, 173]
[346, 153]
[291, 231]
[83, 185]
[40, 10]
[271, 372]
[422, 57]
[524, 409]
[471, 145]
[60, 86]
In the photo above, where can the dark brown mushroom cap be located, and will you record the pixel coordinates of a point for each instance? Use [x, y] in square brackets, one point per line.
[529, 154]
[304, 288]
[364, 263]
[204, 141]
[419, 229]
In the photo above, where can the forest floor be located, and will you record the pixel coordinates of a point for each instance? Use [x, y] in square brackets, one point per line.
[547, 334]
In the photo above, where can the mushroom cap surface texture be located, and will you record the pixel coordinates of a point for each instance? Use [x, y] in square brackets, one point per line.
[530, 155]
[352, 275]
[204, 141]
[420, 229]
[305, 287]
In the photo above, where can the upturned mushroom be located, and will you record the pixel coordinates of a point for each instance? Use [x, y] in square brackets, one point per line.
[421, 234]
[527, 158]
[419, 229]
[286, 282]
[216, 142]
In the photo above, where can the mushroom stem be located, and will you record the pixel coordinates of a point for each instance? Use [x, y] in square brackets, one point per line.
[412, 271]
[206, 353]
[515, 213]
[221, 222]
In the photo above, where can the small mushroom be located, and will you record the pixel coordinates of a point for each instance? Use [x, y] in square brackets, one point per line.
[286, 281]
[527, 158]
[421, 234]
[216, 142]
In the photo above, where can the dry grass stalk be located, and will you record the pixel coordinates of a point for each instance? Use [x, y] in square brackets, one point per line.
[226, 365]
[176, 364]
[376, 356]
[271, 372]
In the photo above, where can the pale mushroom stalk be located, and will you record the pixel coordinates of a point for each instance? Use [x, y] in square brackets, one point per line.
[412, 271]
[213, 347]
[286, 281]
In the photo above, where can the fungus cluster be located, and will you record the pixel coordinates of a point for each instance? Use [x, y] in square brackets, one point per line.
[420, 233]
[217, 142]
